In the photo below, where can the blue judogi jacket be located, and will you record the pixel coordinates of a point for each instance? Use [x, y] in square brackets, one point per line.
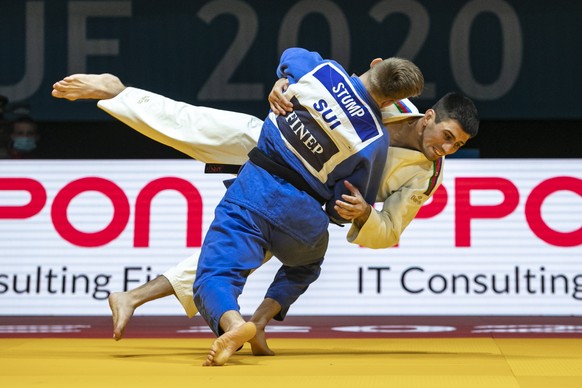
[334, 133]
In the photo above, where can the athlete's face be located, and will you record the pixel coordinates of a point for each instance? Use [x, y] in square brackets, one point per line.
[441, 139]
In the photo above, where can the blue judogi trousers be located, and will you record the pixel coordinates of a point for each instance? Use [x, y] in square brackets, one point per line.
[235, 244]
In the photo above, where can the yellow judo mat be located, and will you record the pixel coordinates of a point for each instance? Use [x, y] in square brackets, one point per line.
[299, 363]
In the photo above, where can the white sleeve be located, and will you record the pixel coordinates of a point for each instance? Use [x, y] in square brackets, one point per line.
[206, 134]
[384, 227]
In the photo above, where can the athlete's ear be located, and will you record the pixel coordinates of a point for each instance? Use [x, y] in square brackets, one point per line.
[428, 115]
[375, 62]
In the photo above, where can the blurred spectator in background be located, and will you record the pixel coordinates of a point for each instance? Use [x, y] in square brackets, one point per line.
[24, 139]
[19, 138]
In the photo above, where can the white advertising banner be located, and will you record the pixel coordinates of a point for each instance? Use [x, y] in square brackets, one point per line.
[500, 237]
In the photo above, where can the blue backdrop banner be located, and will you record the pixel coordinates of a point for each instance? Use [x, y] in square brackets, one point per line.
[515, 58]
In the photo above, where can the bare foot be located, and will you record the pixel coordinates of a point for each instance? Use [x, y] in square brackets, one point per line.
[228, 343]
[88, 86]
[259, 344]
[121, 311]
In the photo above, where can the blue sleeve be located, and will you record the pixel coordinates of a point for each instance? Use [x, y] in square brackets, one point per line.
[296, 62]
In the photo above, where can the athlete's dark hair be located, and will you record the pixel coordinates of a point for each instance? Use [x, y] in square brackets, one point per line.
[455, 106]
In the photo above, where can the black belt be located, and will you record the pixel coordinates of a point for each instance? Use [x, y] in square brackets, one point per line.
[216, 168]
[259, 158]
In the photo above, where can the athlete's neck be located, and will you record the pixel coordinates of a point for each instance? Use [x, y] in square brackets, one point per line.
[405, 134]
